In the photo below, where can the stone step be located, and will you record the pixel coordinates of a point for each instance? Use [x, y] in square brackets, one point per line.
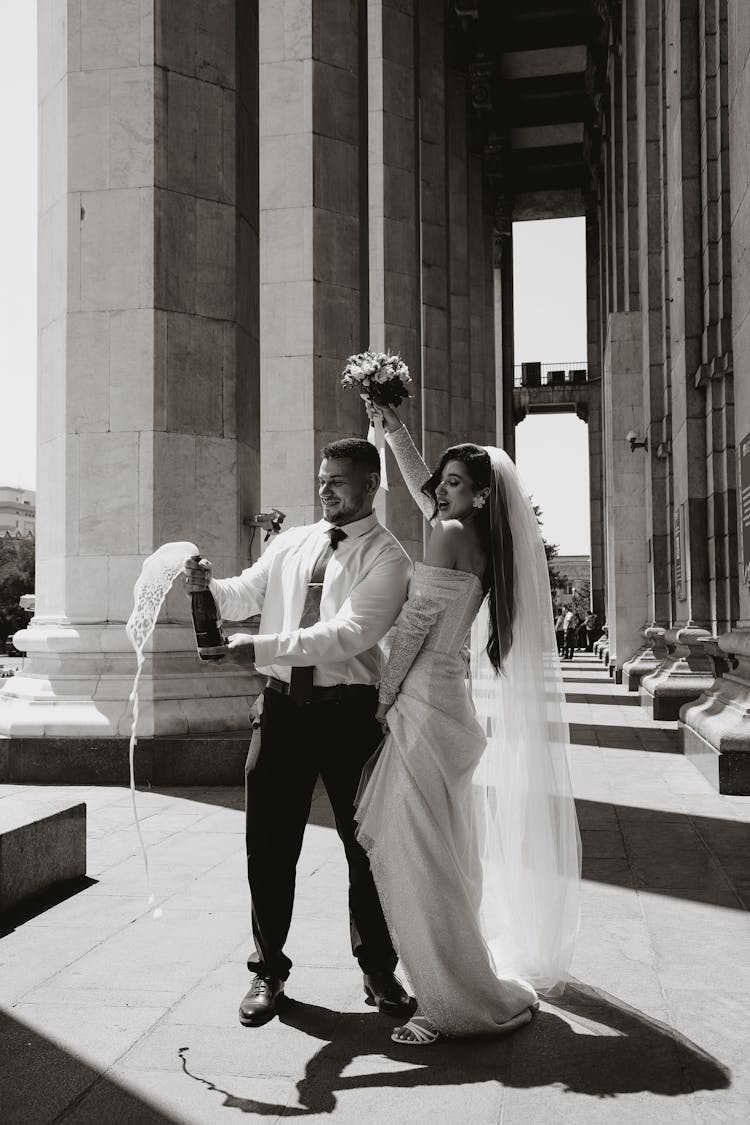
[40, 849]
[181, 760]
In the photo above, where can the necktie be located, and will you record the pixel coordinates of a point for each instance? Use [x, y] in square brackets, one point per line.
[301, 681]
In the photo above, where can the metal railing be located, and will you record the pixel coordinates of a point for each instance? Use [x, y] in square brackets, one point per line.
[550, 374]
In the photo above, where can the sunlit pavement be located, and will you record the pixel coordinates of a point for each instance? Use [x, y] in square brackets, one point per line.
[110, 1015]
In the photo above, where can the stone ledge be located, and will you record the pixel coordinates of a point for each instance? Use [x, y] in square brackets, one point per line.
[39, 852]
[207, 760]
[727, 770]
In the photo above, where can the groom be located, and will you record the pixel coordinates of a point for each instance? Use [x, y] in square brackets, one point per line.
[327, 593]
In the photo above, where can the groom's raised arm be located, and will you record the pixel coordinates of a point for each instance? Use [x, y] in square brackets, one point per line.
[368, 613]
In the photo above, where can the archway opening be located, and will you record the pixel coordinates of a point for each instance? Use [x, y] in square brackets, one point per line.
[551, 372]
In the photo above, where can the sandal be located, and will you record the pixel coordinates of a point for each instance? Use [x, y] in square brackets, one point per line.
[416, 1033]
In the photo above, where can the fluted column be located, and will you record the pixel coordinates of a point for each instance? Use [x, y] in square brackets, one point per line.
[313, 266]
[716, 727]
[436, 426]
[394, 187]
[652, 239]
[148, 371]
[595, 434]
[625, 478]
[690, 666]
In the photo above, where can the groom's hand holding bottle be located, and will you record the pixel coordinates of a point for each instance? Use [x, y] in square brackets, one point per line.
[239, 648]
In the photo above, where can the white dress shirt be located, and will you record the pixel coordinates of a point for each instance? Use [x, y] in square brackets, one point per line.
[364, 589]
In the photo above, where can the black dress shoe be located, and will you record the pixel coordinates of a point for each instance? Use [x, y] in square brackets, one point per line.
[260, 1004]
[386, 992]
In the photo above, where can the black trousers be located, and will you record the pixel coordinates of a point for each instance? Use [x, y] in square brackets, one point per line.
[332, 740]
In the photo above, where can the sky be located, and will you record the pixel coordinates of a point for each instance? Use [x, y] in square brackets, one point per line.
[549, 307]
[549, 291]
[18, 238]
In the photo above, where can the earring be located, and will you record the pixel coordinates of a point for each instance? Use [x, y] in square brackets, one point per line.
[479, 500]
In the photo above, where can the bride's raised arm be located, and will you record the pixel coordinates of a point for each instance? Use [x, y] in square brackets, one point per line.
[408, 458]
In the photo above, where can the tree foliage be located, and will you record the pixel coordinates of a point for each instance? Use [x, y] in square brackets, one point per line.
[580, 601]
[556, 580]
[16, 578]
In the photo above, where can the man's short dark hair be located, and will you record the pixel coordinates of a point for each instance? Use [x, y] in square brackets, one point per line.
[356, 450]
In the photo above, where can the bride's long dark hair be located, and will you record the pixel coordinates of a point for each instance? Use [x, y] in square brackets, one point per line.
[497, 542]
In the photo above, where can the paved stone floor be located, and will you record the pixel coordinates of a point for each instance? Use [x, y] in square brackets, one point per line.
[108, 1015]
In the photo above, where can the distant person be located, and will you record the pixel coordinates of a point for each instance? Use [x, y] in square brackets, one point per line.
[592, 631]
[581, 634]
[560, 631]
[571, 628]
[567, 622]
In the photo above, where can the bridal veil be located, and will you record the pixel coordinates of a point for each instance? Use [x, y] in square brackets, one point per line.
[523, 800]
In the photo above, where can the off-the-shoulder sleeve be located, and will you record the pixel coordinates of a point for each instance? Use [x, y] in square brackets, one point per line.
[412, 467]
[417, 617]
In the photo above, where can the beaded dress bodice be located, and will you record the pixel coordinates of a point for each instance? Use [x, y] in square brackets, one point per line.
[436, 618]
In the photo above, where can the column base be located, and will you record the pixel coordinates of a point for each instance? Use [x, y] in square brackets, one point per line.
[643, 663]
[77, 679]
[687, 670]
[648, 659]
[715, 728]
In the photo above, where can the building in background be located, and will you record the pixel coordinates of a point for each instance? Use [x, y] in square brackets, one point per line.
[17, 512]
[575, 570]
[259, 195]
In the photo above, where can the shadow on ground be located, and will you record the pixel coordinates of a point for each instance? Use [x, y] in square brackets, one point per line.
[40, 1080]
[617, 1050]
[576, 694]
[645, 738]
[38, 904]
[680, 855]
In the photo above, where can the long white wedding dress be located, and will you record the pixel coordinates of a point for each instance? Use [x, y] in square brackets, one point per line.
[422, 816]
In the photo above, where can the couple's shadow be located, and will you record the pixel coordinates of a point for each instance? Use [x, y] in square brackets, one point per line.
[588, 1043]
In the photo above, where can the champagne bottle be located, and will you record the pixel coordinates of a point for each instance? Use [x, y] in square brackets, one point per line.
[207, 625]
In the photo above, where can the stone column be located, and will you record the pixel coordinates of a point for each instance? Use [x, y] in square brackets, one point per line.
[147, 368]
[505, 287]
[395, 257]
[651, 251]
[630, 247]
[715, 375]
[690, 666]
[625, 484]
[436, 427]
[312, 204]
[458, 255]
[716, 727]
[596, 462]
[493, 429]
[482, 385]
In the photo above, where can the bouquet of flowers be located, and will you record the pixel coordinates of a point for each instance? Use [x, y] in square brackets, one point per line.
[380, 377]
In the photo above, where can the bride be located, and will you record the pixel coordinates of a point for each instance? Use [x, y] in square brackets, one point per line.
[467, 816]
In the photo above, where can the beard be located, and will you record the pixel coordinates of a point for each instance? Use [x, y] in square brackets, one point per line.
[344, 510]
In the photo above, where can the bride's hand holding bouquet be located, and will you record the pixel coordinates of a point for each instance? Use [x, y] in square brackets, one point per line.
[386, 415]
[383, 382]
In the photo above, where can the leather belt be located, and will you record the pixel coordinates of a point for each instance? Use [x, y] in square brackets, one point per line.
[333, 694]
